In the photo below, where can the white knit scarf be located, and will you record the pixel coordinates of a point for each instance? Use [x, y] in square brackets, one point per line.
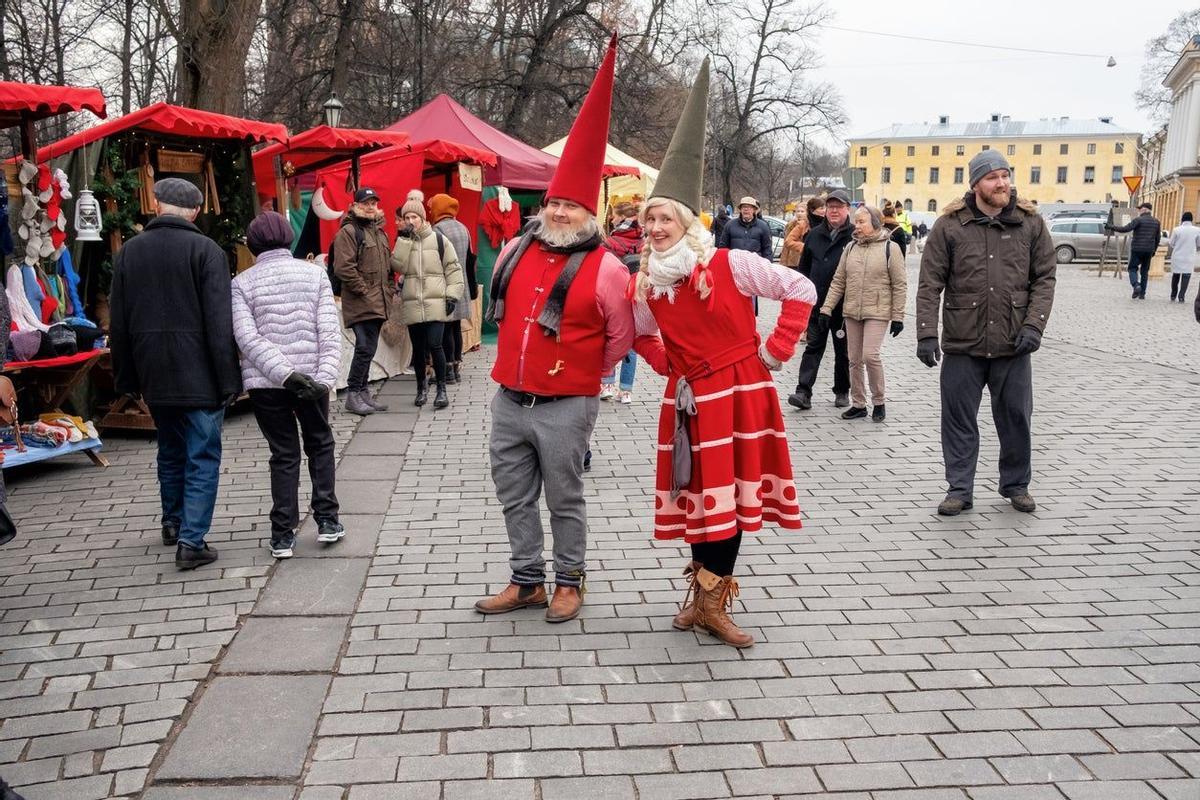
[669, 267]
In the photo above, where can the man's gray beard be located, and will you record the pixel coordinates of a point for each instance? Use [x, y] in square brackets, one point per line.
[568, 238]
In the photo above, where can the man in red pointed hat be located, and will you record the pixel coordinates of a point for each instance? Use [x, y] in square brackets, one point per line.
[558, 299]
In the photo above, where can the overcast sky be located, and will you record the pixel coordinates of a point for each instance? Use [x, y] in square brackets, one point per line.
[885, 80]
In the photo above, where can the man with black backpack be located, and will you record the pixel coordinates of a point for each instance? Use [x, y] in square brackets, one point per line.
[361, 261]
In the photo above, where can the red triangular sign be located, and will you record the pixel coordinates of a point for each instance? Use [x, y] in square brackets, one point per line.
[1132, 182]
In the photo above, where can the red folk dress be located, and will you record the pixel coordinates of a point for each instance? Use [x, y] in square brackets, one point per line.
[741, 469]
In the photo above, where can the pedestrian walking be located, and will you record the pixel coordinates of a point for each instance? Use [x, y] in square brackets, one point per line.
[722, 219]
[1147, 234]
[814, 210]
[286, 325]
[1185, 241]
[443, 213]
[558, 299]
[360, 259]
[793, 240]
[431, 287]
[895, 232]
[625, 242]
[822, 252]
[748, 231]
[903, 219]
[922, 231]
[723, 467]
[871, 283]
[172, 343]
[992, 257]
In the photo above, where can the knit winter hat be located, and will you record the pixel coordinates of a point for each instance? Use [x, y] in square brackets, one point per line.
[268, 231]
[984, 162]
[683, 166]
[442, 206]
[414, 204]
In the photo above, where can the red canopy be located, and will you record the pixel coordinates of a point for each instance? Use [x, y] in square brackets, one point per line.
[39, 102]
[518, 166]
[323, 142]
[173, 120]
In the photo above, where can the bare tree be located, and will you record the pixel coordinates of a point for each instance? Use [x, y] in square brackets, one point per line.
[1161, 54]
[212, 41]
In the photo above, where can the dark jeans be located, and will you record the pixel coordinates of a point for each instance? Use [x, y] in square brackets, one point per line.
[1139, 267]
[427, 341]
[1179, 284]
[277, 412]
[366, 342]
[718, 557]
[189, 468]
[1010, 383]
[452, 341]
[814, 351]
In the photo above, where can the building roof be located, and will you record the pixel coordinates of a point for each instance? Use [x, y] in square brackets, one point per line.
[1002, 129]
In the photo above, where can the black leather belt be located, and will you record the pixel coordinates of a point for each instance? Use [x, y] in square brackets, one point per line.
[529, 400]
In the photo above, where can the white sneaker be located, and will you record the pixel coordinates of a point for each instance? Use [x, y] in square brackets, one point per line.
[608, 391]
[625, 398]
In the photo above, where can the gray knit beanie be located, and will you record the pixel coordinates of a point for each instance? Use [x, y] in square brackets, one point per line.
[984, 162]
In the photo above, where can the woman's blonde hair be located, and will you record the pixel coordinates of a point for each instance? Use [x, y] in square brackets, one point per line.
[698, 240]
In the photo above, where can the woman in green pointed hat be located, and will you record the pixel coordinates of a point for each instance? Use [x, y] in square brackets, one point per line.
[723, 466]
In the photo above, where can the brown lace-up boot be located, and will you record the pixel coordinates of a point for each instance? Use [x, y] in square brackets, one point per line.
[714, 598]
[513, 596]
[686, 617]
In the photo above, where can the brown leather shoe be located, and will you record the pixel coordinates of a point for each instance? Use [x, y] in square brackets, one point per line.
[565, 604]
[513, 597]
[686, 617]
[712, 609]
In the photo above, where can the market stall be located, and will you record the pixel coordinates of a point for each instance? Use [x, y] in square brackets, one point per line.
[120, 160]
[54, 342]
[617, 188]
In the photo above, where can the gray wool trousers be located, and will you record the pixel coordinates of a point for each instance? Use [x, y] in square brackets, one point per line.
[536, 449]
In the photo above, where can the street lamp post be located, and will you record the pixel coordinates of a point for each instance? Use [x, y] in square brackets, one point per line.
[333, 111]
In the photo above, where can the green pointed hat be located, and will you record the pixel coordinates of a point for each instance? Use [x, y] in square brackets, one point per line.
[683, 167]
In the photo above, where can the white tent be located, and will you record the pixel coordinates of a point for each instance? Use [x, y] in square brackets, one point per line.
[620, 185]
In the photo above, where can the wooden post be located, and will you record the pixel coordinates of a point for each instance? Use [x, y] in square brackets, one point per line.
[28, 138]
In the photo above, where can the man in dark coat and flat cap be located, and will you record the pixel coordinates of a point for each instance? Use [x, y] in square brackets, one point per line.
[172, 344]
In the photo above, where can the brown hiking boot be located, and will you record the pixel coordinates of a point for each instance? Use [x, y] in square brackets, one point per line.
[714, 598]
[565, 604]
[513, 597]
[686, 617]
[1023, 502]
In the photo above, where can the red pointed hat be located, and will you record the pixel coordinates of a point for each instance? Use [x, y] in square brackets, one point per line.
[579, 169]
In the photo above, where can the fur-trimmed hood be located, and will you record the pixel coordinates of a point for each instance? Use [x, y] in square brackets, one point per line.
[1008, 215]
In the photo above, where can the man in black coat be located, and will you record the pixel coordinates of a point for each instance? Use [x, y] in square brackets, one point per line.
[172, 343]
[1147, 236]
[748, 231]
[823, 248]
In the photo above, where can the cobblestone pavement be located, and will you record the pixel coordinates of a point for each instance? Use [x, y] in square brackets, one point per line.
[900, 656]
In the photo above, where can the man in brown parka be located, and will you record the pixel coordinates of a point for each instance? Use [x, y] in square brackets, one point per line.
[992, 256]
[362, 261]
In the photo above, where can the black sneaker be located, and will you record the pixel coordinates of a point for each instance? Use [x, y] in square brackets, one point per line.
[587, 461]
[170, 534]
[841, 399]
[800, 399]
[186, 558]
[854, 413]
[879, 413]
[281, 545]
[329, 531]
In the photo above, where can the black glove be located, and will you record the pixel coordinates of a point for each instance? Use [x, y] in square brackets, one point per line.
[929, 352]
[229, 399]
[301, 385]
[820, 325]
[897, 326]
[1028, 340]
[451, 304]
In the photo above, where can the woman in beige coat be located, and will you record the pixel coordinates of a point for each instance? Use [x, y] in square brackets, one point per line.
[431, 283]
[871, 283]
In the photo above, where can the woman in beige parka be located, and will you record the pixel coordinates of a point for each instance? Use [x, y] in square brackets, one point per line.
[431, 283]
[871, 283]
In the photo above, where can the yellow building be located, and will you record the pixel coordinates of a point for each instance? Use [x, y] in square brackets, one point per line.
[1171, 157]
[1054, 161]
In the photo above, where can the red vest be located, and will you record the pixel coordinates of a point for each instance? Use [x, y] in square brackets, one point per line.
[529, 360]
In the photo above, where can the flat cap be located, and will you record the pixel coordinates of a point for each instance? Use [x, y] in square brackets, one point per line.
[838, 195]
[178, 192]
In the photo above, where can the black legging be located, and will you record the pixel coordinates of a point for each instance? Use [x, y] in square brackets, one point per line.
[427, 341]
[452, 341]
[1179, 284]
[718, 557]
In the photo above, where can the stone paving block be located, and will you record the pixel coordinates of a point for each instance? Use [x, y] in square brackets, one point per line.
[305, 586]
[449, 767]
[252, 726]
[285, 644]
[698, 785]
[239, 792]
[852, 777]
[598, 788]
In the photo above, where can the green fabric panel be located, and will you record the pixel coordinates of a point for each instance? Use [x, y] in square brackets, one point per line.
[296, 216]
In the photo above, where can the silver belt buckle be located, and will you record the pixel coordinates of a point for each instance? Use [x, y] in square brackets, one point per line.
[530, 402]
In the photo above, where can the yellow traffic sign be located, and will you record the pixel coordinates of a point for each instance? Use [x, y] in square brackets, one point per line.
[1132, 182]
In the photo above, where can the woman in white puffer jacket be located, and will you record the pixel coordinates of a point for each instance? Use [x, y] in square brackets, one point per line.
[287, 328]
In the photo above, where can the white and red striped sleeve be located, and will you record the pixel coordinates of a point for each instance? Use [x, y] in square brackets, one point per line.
[754, 276]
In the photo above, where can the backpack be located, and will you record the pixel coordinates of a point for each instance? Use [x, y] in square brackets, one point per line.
[360, 239]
